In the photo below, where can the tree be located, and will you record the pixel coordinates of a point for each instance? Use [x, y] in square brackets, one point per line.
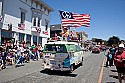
[113, 41]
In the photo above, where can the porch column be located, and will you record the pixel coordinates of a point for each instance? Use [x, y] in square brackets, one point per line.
[0, 33]
[15, 35]
[31, 39]
[37, 40]
[25, 38]
[1, 3]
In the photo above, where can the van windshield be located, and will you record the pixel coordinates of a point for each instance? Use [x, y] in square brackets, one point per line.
[55, 47]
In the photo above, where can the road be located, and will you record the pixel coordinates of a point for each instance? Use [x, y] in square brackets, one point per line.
[92, 71]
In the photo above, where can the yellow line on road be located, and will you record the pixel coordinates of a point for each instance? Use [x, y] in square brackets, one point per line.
[101, 73]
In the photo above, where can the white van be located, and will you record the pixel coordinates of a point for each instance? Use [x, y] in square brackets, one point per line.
[62, 56]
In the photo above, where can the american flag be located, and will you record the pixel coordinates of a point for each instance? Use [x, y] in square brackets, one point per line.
[45, 32]
[74, 20]
[21, 26]
[0, 18]
[38, 29]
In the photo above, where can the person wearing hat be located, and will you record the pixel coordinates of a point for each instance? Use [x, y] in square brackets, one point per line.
[119, 60]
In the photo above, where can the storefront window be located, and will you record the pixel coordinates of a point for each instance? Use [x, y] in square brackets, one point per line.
[40, 40]
[35, 40]
[6, 34]
[28, 40]
[21, 37]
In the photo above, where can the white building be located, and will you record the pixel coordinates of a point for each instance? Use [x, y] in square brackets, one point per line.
[25, 20]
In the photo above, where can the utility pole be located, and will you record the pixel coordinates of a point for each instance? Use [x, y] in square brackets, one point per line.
[1, 18]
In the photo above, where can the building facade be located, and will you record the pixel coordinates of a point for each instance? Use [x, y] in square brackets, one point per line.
[25, 20]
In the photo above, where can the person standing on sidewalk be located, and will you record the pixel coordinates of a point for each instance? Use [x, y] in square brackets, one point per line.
[36, 53]
[20, 60]
[119, 60]
[112, 52]
[108, 61]
[3, 56]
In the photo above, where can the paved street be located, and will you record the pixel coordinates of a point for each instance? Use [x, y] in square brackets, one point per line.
[88, 73]
[110, 75]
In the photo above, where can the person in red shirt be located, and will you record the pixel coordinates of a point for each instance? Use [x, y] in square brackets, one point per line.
[36, 53]
[119, 60]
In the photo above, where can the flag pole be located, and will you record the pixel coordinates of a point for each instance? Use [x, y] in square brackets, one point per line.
[61, 26]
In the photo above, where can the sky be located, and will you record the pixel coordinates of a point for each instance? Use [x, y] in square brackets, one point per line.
[107, 16]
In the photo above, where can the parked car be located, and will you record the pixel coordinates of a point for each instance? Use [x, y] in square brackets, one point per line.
[95, 50]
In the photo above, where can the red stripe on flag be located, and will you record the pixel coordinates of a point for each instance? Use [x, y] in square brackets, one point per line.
[79, 20]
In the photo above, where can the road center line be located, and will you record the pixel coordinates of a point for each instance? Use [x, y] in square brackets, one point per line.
[101, 73]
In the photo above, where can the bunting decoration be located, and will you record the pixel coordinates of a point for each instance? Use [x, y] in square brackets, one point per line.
[45, 32]
[38, 29]
[21, 26]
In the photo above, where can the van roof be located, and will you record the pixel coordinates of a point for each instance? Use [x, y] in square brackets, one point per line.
[62, 42]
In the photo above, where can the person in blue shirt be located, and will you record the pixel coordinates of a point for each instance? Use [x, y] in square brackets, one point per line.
[20, 60]
[3, 57]
[112, 52]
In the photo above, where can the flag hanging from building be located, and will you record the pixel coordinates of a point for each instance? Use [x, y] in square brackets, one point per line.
[38, 29]
[70, 19]
[21, 26]
[0, 18]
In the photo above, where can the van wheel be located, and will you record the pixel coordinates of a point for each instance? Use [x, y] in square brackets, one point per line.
[71, 68]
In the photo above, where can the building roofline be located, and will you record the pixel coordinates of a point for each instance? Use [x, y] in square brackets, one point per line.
[44, 4]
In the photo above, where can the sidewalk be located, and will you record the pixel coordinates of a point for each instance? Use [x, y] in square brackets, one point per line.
[11, 73]
[110, 75]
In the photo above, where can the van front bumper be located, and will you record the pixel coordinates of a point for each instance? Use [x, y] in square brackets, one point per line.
[56, 68]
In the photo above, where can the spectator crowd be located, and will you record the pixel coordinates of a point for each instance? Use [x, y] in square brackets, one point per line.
[19, 54]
